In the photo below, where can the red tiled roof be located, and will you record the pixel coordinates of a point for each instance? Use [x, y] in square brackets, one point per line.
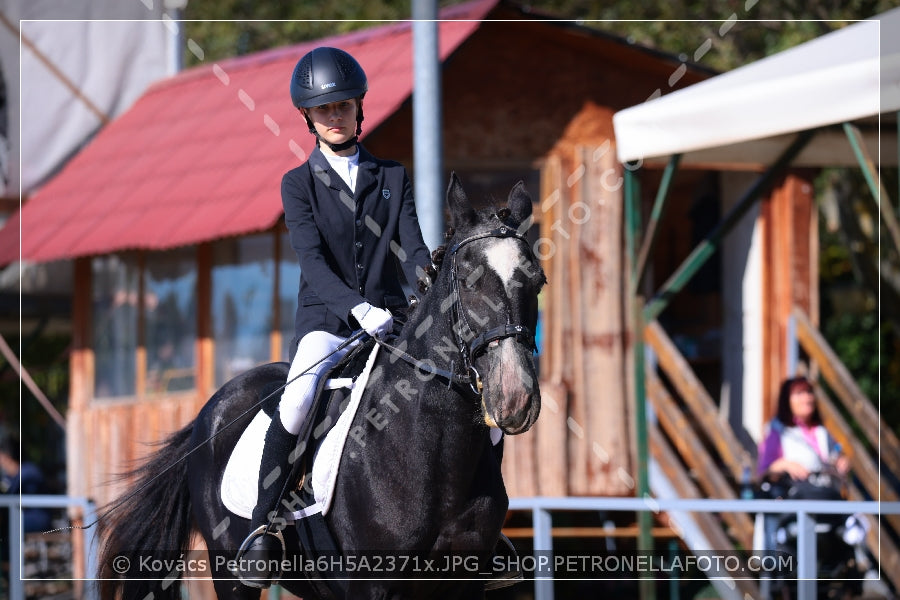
[200, 155]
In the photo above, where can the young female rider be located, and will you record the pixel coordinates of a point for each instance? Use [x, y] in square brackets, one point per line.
[352, 221]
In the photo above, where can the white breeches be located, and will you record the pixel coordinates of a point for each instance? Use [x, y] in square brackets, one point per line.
[297, 398]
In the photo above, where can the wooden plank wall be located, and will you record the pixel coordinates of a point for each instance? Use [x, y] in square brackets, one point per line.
[107, 439]
[790, 276]
[580, 445]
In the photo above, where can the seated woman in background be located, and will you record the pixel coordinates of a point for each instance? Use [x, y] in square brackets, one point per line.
[797, 443]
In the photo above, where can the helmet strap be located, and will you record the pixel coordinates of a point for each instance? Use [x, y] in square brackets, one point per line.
[337, 147]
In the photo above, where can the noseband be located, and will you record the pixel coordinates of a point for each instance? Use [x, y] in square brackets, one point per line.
[472, 348]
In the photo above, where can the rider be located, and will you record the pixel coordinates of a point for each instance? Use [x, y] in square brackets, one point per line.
[352, 222]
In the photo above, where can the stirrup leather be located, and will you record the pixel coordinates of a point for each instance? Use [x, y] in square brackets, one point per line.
[262, 530]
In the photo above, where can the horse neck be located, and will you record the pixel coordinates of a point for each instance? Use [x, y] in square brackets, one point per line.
[428, 336]
[428, 332]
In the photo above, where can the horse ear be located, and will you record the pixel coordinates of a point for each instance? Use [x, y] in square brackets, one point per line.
[519, 202]
[461, 211]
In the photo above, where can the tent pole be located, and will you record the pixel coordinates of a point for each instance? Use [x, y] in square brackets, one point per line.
[708, 246]
[632, 229]
[656, 215]
[879, 193]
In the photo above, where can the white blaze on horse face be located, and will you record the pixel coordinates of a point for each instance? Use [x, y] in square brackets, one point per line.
[504, 257]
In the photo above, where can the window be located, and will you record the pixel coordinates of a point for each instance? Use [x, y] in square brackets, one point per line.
[114, 324]
[170, 319]
[146, 317]
[243, 276]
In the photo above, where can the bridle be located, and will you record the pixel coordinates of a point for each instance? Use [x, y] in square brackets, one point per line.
[470, 345]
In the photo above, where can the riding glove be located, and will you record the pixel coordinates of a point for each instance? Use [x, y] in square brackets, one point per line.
[376, 321]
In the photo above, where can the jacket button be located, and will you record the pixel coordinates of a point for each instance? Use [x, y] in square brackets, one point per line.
[359, 267]
[358, 222]
[360, 289]
[359, 244]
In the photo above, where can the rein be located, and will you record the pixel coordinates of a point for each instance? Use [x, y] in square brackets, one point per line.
[470, 349]
[357, 335]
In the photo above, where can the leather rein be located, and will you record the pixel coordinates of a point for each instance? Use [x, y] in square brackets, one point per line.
[470, 346]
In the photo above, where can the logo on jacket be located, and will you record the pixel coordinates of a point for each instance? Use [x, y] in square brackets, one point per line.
[386, 193]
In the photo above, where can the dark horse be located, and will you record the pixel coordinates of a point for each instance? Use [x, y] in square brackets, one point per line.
[424, 480]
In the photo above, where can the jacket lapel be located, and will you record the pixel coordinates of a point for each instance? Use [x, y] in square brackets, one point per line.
[322, 171]
[365, 177]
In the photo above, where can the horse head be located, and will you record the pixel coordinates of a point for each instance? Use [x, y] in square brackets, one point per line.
[493, 284]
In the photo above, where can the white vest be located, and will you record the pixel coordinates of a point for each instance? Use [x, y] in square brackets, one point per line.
[795, 446]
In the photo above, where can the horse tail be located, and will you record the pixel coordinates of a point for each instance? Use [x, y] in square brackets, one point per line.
[149, 526]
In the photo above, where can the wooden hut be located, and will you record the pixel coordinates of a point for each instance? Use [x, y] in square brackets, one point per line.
[172, 219]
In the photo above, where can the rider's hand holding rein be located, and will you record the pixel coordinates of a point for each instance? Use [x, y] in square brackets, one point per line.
[376, 321]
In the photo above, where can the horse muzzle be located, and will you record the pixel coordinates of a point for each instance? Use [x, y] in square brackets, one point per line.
[511, 398]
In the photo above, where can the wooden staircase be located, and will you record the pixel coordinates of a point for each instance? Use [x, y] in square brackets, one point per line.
[702, 457]
[863, 450]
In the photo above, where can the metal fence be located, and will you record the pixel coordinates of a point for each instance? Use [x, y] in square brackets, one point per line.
[12, 505]
[805, 510]
[541, 509]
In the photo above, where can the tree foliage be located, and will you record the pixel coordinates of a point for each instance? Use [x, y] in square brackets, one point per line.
[739, 31]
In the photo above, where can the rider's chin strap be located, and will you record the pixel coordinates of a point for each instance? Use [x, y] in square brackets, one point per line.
[338, 147]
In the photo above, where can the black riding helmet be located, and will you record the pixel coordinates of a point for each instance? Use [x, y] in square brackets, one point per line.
[326, 75]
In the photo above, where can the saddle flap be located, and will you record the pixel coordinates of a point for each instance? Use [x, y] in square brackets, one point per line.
[317, 477]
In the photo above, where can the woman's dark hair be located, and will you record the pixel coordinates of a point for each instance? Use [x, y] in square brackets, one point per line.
[784, 413]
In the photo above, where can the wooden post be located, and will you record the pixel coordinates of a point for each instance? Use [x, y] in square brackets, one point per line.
[551, 428]
[205, 349]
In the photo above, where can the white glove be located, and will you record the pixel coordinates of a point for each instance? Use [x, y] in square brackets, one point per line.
[376, 321]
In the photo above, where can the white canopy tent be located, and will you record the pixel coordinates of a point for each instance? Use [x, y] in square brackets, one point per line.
[745, 117]
[753, 119]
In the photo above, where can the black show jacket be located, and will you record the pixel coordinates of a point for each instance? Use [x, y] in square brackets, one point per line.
[352, 247]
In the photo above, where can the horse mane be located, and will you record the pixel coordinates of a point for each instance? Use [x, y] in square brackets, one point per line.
[437, 258]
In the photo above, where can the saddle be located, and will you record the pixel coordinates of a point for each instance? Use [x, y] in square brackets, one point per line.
[333, 396]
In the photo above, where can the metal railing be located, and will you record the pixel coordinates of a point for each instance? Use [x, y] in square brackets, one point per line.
[541, 508]
[12, 504]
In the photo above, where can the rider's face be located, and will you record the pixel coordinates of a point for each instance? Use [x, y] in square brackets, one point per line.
[335, 121]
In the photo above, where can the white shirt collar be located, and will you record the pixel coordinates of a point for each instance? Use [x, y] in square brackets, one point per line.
[345, 166]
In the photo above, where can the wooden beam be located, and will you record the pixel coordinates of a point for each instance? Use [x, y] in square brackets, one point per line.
[630, 531]
[698, 400]
[25, 376]
[878, 434]
[880, 543]
[205, 369]
[685, 488]
[692, 451]
[862, 465]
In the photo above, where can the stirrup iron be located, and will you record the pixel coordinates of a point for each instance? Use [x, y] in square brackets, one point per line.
[252, 537]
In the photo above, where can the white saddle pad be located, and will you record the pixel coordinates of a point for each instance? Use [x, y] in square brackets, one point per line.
[239, 487]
